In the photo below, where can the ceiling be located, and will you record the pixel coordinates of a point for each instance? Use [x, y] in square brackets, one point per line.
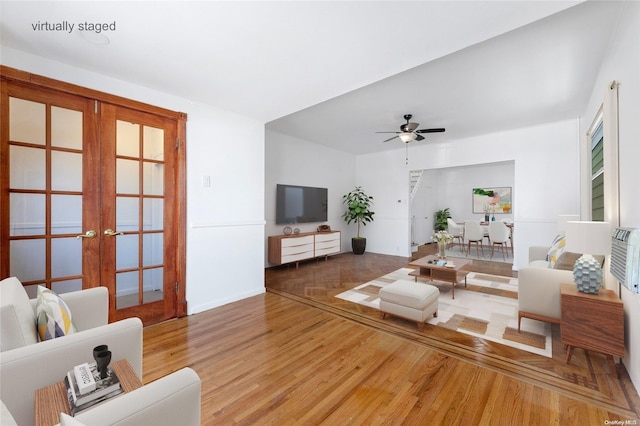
[335, 72]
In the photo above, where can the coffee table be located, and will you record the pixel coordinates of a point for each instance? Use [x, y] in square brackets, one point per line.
[52, 400]
[427, 268]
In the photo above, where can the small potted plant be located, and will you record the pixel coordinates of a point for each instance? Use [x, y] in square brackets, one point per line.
[358, 211]
[441, 219]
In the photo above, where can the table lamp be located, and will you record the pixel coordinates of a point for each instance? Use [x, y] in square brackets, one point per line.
[563, 219]
[588, 238]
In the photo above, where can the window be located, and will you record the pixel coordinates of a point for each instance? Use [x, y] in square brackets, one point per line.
[597, 172]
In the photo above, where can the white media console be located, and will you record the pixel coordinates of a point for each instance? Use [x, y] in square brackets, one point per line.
[308, 245]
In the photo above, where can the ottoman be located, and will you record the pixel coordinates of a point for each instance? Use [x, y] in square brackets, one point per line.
[409, 300]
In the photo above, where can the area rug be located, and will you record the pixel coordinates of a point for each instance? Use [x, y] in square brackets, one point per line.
[486, 308]
[457, 250]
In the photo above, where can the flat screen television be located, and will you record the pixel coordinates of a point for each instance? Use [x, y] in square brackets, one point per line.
[300, 204]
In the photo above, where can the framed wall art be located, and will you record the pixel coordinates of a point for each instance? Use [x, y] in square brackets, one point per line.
[492, 200]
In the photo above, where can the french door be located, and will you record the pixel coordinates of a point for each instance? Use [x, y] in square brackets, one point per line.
[89, 198]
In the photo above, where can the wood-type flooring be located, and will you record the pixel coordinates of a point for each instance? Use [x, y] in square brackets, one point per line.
[298, 355]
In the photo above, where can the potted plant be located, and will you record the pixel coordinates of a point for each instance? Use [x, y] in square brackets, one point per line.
[358, 211]
[441, 219]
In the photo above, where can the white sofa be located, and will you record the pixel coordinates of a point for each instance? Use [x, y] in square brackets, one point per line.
[539, 285]
[27, 365]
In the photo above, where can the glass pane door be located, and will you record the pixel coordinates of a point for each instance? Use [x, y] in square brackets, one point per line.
[139, 200]
[90, 197]
[134, 216]
[48, 211]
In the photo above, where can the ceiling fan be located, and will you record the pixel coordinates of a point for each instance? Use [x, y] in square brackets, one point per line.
[409, 133]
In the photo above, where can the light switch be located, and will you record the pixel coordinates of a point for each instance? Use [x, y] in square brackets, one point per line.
[206, 181]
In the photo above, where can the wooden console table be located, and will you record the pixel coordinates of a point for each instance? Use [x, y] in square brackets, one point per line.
[592, 322]
[52, 400]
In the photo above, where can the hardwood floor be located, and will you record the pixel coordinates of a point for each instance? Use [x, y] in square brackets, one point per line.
[298, 355]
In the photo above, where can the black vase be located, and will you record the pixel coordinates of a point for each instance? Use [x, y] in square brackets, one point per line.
[358, 245]
[98, 349]
[102, 362]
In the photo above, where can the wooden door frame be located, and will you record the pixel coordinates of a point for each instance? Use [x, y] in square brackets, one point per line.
[38, 81]
[90, 165]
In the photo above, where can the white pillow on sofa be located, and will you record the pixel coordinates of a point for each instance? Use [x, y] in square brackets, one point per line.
[17, 321]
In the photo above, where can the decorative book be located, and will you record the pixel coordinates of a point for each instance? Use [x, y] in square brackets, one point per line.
[75, 409]
[104, 388]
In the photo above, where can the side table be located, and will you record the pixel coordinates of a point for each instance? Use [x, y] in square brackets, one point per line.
[592, 322]
[52, 400]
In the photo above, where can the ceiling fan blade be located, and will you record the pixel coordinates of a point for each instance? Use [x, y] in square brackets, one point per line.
[419, 137]
[410, 127]
[388, 132]
[390, 139]
[437, 130]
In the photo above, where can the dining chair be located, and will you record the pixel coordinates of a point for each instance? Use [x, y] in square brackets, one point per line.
[509, 222]
[457, 232]
[498, 235]
[474, 233]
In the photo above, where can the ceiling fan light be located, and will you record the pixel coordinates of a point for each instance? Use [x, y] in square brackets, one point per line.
[406, 137]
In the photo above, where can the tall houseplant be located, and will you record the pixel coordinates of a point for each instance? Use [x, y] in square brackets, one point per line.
[358, 211]
[441, 219]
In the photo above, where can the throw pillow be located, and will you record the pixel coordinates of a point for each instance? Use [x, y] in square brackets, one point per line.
[52, 315]
[556, 249]
[566, 261]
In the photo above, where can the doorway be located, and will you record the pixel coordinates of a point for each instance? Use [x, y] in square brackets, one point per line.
[422, 207]
[92, 196]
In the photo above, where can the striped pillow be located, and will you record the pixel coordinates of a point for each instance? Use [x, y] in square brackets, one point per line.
[52, 315]
[556, 249]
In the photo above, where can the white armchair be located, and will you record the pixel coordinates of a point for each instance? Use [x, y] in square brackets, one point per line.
[171, 400]
[27, 365]
[539, 285]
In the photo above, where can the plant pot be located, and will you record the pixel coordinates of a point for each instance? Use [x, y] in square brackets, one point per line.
[358, 245]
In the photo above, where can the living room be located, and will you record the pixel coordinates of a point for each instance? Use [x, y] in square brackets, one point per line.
[229, 222]
[548, 176]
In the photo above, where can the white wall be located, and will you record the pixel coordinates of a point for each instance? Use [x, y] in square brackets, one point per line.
[455, 186]
[546, 182]
[294, 161]
[225, 253]
[623, 65]
[451, 187]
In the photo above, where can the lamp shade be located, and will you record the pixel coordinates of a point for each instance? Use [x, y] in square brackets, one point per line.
[563, 219]
[588, 237]
[406, 137]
